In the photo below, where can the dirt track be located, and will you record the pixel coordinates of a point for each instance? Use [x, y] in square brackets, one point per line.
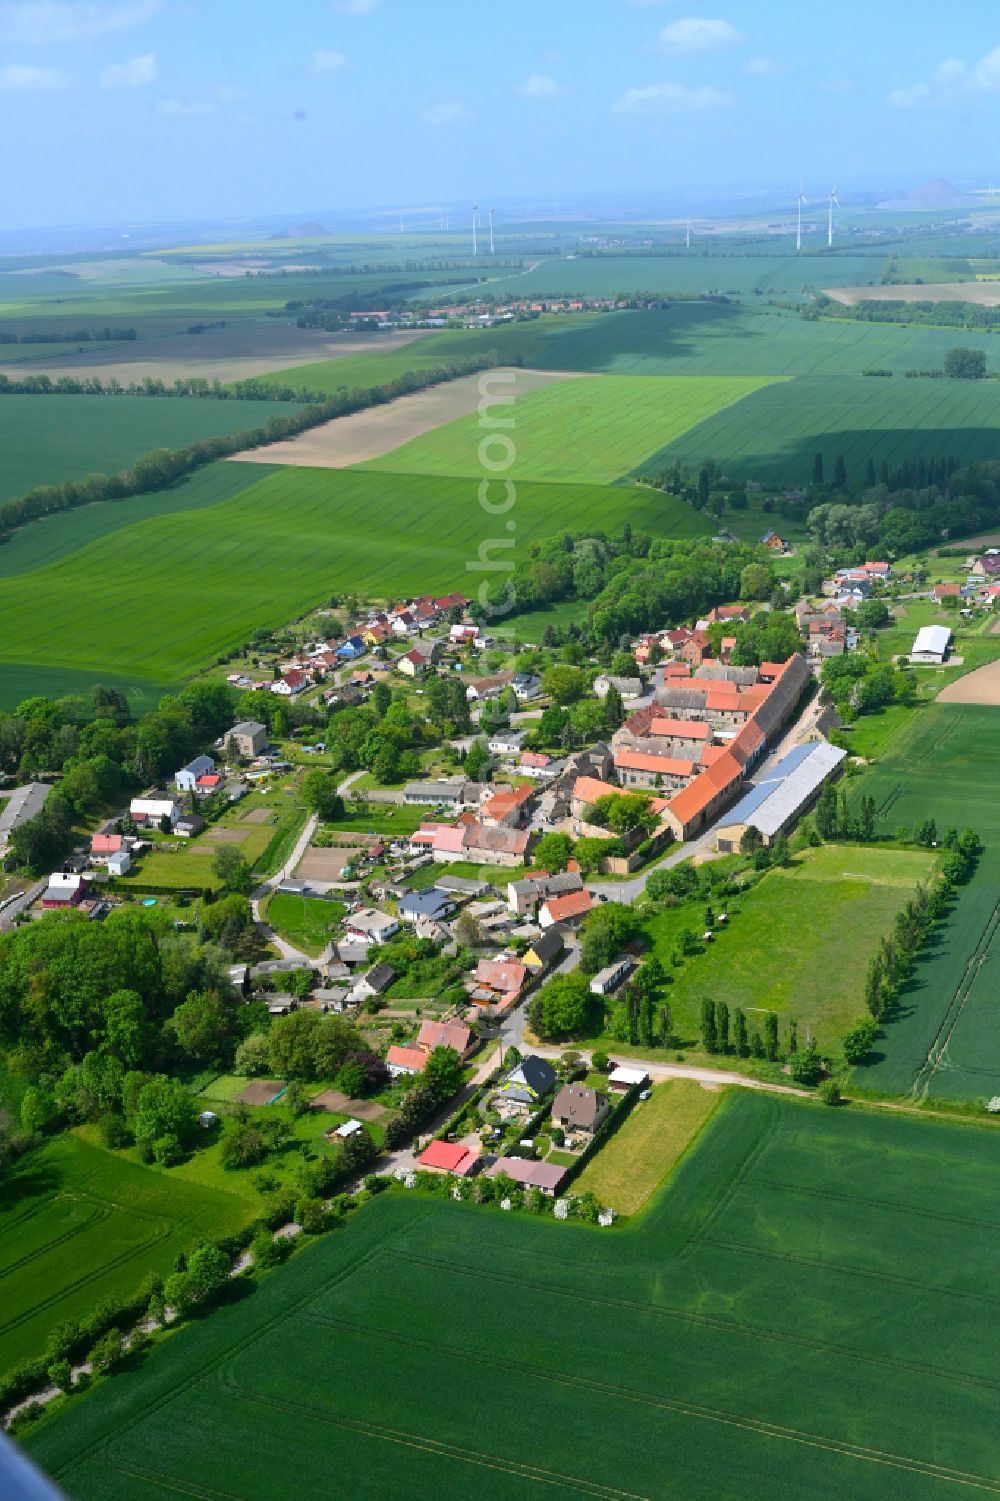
[378, 430]
[979, 687]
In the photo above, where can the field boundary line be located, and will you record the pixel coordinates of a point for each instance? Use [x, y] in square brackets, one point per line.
[742, 1328]
[937, 1052]
[686, 1408]
[286, 1311]
[882, 1204]
[441, 1447]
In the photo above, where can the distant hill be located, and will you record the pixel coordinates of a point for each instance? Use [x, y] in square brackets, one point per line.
[938, 193]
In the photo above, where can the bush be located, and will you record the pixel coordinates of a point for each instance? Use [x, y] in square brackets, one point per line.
[829, 1092]
[60, 1373]
[311, 1214]
[600, 1062]
[107, 1351]
[264, 1250]
[114, 1132]
[251, 1055]
[858, 1041]
[806, 1066]
[242, 1147]
[167, 1150]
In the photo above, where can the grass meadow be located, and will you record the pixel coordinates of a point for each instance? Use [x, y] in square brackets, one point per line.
[574, 431]
[942, 1042]
[773, 436]
[78, 1224]
[305, 921]
[751, 1333]
[280, 545]
[637, 1159]
[798, 944]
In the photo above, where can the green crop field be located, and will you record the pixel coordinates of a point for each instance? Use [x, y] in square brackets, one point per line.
[282, 544]
[576, 430]
[755, 1333]
[78, 1224]
[773, 435]
[722, 270]
[48, 439]
[305, 921]
[784, 951]
[943, 1041]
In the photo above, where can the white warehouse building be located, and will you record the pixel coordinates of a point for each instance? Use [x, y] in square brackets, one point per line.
[775, 803]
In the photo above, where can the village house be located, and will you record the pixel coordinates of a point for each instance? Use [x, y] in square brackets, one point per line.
[153, 809]
[508, 808]
[570, 909]
[580, 1110]
[449, 1157]
[369, 925]
[523, 896]
[291, 683]
[249, 738]
[528, 1082]
[544, 950]
[186, 780]
[498, 983]
[612, 975]
[545, 1176]
[65, 888]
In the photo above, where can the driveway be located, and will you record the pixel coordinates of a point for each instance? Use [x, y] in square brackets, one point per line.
[285, 949]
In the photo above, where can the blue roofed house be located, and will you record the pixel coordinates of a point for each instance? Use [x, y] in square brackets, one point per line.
[432, 904]
[354, 646]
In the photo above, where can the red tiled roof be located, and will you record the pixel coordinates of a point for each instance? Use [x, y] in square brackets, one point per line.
[448, 1157]
[681, 729]
[444, 1035]
[697, 795]
[573, 904]
[414, 1058]
[667, 766]
[105, 844]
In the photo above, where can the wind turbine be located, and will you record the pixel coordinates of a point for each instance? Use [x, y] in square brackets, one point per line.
[800, 200]
[831, 202]
[491, 230]
[475, 227]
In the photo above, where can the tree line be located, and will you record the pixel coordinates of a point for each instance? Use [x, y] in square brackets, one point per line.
[164, 466]
[64, 336]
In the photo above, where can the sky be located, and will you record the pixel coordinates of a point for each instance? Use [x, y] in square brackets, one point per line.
[130, 111]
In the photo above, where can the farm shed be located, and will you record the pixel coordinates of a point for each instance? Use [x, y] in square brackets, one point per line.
[775, 803]
[931, 645]
[612, 975]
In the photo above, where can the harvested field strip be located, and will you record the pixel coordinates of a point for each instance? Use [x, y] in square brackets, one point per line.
[376, 431]
[594, 429]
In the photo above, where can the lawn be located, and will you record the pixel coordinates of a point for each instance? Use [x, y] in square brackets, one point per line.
[798, 944]
[304, 920]
[48, 439]
[639, 1156]
[587, 430]
[180, 864]
[280, 545]
[772, 437]
[751, 1334]
[943, 1042]
[78, 1224]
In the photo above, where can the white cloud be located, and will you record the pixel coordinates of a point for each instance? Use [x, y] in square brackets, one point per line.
[450, 112]
[47, 21]
[136, 73]
[356, 7]
[671, 99]
[540, 86]
[20, 78]
[698, 34]
[766, 67]
[323, 61]
[950, 81]
[181, 109]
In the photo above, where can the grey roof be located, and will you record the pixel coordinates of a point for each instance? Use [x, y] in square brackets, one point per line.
[579, 1105]
[461, 885]
[248, 727]
[436, 792]
[537, 1073]
[380, 976]
[23, 803]
[431, 903]
[200, 766]
[774, 800]
[549, 946]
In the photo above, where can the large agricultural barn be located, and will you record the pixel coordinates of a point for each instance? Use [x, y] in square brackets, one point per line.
[775, 803]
